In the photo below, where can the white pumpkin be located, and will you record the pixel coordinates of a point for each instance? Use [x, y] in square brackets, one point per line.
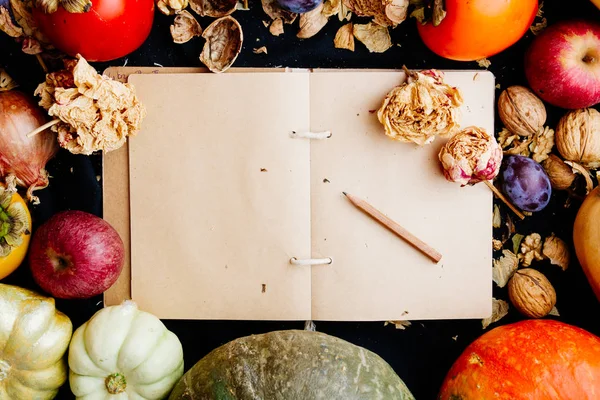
[124, 353]
[33, 340]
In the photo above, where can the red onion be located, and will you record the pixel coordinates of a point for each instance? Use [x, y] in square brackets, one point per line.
[23, 159]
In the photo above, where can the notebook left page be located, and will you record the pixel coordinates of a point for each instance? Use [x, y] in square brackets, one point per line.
[219, 197]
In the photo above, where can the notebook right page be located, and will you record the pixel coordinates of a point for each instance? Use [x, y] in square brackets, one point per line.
[375, 275]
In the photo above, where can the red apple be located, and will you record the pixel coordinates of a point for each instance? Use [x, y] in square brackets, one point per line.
[563, 64]
[76, 255]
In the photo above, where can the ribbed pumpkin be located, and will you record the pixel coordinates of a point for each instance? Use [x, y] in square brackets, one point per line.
[528, 360]
[586, 238]
[33, 339]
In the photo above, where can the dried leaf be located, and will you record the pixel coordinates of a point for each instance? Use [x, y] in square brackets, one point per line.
[311, 23]
[7, 25]
[185, 27]
[531, 249]
[504, 268]
[375, 37]
[578, 169]
[376, 9]
[484, 63]
[497, 218]
[266, 23]
[396, 10]
[213, 8]
[557, 251]
[499, 311]
[274, 11]
[276, 27]
[438, 12]
[516, 241]
[538, 27]
[6, 82]
[22, 14]
[344, 38]
[419, 15]
[170, 7]
[260, 50]
[398, 324]
[554, 312]
[224, 39]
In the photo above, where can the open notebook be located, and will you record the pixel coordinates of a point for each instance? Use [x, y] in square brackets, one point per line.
[221, 196]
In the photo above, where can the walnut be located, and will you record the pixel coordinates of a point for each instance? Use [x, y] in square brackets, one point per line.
[560, 174]
[224, 39]
[531, 293]
[578, 137]
[521, 111]
[531, 249]
[499, 311]
[504, 267]
[542, 144]
[421, 109]
[556, 250]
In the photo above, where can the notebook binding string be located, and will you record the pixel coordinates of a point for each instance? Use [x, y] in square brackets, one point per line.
[311, 261]
[311, 135]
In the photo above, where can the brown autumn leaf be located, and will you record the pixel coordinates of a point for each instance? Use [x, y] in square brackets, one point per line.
[185, 27]
[312, 22]
[276, 27]
[213, 8]
[224, 39]
[274, 11]
[7, 25]
[375, 37]
[344, 38]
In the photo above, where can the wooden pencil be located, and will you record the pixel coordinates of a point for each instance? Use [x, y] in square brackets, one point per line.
[393, 226]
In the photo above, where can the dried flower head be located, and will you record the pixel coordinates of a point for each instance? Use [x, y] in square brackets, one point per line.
[578, 137]
[471, 156]
[95, 112]
[557, 251]
[560, 174]
[421, 109]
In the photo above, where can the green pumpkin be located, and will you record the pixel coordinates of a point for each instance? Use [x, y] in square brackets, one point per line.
[291, 365]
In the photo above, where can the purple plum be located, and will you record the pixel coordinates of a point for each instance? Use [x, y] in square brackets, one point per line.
[525, 183]
[299, 6]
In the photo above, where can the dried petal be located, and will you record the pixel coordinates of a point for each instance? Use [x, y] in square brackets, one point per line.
[170, 7]
[312, 22]
[224, 39]
[521, 111]
[47, 6]
[21, 11]
[213, 8]
[402, 325]
[471, 156]
[396, 10]
[7, 25]
[375, 37]
[557, 251]
[185, 27]
[336, 7]
[274, 11]
[497, 218]
[516, 241]
[373, 8]
[6, 82]
[344, 38]
[531, 249]
[260, 50]
[538, 27]
[420, 109]
[504, 268]
[276, 27]
[554, 312]
[499, 311]
[76, 6]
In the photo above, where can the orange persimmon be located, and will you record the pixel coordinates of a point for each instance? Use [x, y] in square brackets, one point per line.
[475, 29]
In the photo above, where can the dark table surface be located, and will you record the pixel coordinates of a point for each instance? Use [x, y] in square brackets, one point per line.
[421, 354]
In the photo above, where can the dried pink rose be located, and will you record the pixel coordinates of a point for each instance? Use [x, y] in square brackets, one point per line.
[471, 156]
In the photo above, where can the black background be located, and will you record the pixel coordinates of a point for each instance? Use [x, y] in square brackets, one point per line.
[421, 354]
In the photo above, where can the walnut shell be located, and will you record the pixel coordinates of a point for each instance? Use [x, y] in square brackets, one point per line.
[224, 39]
[521, 111]
[578, 137]
[560, 174]
[531, 293]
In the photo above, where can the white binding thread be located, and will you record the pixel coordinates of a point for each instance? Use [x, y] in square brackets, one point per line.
[311, 135]
[311, 261]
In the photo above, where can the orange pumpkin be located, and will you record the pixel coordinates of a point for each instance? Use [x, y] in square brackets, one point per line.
[476, 29]
[528, 360]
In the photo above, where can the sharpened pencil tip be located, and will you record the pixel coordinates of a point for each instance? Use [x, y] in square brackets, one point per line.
[345, 194]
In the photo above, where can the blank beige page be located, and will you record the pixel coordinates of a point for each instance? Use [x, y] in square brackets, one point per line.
[220, 197]
[375, 275]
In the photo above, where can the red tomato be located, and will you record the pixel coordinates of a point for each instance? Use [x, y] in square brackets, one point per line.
[476, 29]
[109, 30]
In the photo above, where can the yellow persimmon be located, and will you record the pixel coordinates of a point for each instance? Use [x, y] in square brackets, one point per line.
[15, 231]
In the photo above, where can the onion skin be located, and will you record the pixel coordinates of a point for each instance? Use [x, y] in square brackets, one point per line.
[22, 157]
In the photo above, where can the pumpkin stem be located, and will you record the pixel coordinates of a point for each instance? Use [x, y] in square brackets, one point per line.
[115, 383]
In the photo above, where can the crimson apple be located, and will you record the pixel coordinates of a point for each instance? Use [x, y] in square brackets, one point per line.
[563, 64]
[76, 255]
